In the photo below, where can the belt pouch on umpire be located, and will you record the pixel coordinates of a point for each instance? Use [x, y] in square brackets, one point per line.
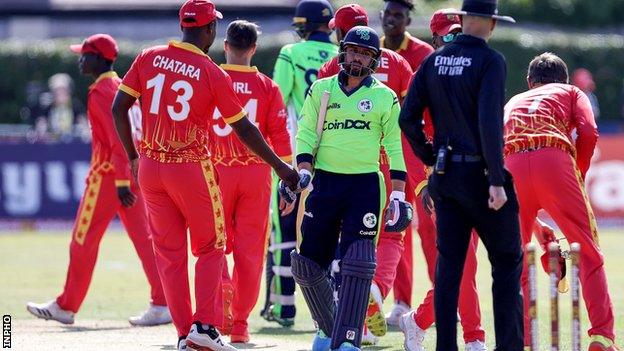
[442, 159]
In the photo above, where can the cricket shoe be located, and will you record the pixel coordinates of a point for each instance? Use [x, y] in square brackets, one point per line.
[414, 336]
[154, 315]
[368, 338]
[50, 310]
[476, 345]
[375, 320]
[271, 316]
[321, 342]
[399, 309]
[206, 339]
[182, 343]
[240, 333]
[601, 343]
[347, 346]
[227, 289]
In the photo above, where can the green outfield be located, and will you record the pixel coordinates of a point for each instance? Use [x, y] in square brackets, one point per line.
[33, 267]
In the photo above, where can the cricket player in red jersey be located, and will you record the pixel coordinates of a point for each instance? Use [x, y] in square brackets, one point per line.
[395, 18]
[244, 179]
[395, 72]
[110, 191]
[180, 86]
[549, 169]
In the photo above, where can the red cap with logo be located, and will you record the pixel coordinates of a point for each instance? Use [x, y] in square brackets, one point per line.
[442, 24]
[101, 44]
[198, 13]
[349, 16]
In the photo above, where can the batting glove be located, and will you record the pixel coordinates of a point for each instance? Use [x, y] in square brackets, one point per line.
[305, 180]
[399, 213]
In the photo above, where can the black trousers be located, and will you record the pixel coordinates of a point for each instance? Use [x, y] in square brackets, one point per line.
[341, 209]
[461, 204]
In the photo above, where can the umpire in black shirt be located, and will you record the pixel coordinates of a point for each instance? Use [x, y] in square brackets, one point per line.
[463, 85]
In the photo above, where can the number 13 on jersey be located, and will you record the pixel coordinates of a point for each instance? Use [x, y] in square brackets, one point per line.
[184, 91]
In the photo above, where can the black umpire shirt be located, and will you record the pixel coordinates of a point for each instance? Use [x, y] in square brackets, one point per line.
[463, 85]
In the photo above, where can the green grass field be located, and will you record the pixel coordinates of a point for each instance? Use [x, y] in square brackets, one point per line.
[33, 267]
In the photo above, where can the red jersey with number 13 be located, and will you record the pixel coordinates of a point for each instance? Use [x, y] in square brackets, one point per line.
[265, 108]
[179, 86]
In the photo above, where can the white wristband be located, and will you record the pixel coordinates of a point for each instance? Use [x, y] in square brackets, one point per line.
[397, 195]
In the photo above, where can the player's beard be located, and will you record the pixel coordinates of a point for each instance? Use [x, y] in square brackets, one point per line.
[355, 67]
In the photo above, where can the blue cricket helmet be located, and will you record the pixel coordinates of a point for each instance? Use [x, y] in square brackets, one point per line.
[310, 14]
[361, 36]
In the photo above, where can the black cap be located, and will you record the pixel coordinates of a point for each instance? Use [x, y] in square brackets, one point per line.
[481, 8]
[313, 11]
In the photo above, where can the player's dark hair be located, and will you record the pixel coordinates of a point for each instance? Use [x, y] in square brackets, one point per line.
[242, 35]
[405, 3]
[548, 68]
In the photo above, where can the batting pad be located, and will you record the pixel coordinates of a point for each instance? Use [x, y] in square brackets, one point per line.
[357, 270]
[317, 291]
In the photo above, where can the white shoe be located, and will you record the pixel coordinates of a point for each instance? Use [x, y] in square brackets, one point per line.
[476, 346]
[182, 344]
[368, 338]
[154, 315]
[50, 310]
[414, 336]
[395, 314]
[206, 339]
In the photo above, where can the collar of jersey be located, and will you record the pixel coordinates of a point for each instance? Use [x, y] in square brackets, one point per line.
[239, 68]
[109, 74]
[469, 39]
[404, 43]
[368, 81]
[319, 36]
[188, 47]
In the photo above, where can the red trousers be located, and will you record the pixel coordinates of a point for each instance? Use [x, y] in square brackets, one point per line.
[246, 194]
[98, 206]
[181, 196]
[426, 230]
[549, 179]
[468, 304]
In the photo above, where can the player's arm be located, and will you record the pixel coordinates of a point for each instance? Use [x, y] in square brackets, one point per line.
[124, 99]
[411, 118]
[276, 126]
[586, 129]
[399, 213]
[490, 104]
[405, 73]
[121, 105]
[306, 139]
[283, 73]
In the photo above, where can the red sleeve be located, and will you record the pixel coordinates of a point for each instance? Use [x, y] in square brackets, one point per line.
[586, 129]
[276, 126]
[225, 98]
[329, 69]
[131, 83]
[99, 107]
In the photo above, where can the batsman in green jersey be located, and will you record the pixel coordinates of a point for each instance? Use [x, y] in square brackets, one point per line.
[296, 69]
[344, 122]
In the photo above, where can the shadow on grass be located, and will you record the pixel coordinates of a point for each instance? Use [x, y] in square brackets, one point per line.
[167, 347]
[75, 329]
[284, 331]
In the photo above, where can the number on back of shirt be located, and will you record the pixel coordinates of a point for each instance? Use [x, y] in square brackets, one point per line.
[252, 110]
[184, 92]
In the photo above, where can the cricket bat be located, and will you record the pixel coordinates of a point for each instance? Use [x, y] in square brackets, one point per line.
[320, 122]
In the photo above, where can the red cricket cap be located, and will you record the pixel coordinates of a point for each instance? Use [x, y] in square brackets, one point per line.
[442, 23]
[101, 44]
[349, 16]
[198, 13]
